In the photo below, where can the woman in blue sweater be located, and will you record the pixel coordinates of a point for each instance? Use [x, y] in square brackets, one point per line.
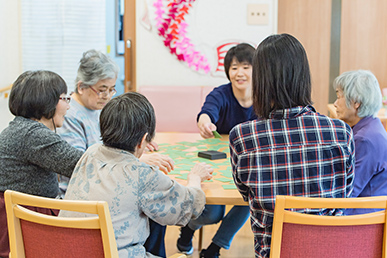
[226, 106]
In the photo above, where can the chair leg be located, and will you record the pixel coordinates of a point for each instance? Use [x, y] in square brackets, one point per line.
[200, 238]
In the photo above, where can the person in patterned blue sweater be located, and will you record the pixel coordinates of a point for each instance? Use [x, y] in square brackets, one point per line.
[95, 86]
[291, 149]
[134, 191]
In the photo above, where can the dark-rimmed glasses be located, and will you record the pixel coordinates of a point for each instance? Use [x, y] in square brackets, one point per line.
[104, 93]
[67, 99]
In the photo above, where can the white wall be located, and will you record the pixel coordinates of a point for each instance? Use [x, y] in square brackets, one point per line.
[210, 23]
[10, 61]
[10, 45]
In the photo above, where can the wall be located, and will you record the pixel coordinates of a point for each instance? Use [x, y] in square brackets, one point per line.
[310, 23]
[210, 23]
[364, 46]
[360, 35]
[11, 54]
[10, 61]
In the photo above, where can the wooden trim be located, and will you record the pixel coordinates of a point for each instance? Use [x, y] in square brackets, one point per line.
[6, 88]
[130, 83]
[363, 37]
[310, 22]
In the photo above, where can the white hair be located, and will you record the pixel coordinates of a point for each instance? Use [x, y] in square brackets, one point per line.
[95, 66]
[360, 87]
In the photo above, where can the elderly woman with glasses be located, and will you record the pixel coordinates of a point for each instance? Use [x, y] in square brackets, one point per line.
[94, 88]
[31, 153]
[358, 101]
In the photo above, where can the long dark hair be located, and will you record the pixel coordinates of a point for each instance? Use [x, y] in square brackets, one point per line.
[281, 76]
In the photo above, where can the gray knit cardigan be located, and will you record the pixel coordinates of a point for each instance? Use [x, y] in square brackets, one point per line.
[31, 155]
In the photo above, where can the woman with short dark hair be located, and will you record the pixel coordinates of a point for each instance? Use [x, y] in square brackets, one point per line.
[290, 149]
[31, 153]
[135, 191]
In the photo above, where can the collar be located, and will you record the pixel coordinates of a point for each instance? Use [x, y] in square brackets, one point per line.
[363, 122]
[291, 112]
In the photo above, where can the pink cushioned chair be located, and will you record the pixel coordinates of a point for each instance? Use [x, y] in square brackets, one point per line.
[304, 235]
[32, 234]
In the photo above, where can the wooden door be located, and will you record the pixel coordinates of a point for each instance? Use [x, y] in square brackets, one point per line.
[364, 37]
[130, 45]
[310, 22]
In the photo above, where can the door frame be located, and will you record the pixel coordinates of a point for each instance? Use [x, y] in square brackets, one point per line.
[130, 83]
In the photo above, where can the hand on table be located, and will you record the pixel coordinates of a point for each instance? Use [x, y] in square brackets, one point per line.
[164, 162]
[203, 170]
[152, 146]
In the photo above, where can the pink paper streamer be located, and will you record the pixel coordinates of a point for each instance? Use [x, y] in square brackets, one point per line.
[173, 30]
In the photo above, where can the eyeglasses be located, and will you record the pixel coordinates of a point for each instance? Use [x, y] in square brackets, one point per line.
[104, 93]
[67, 99]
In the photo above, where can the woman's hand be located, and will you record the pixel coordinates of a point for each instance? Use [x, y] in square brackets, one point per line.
[202, 170]
[164, 162]
[152, 146]
[206, 126]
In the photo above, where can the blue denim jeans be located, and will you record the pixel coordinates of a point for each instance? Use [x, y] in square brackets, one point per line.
[231, 223]
[155, 243]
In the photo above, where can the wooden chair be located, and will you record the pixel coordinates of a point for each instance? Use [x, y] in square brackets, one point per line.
[32, 234]
[305, 235]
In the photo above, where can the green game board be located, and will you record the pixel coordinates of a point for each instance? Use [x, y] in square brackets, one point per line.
[185, 155]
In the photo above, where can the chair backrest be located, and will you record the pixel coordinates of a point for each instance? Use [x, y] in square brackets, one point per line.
[32, 234]
[297, 234]
[175, 107]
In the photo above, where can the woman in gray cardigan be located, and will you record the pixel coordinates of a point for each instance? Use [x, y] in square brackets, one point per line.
[31, 153]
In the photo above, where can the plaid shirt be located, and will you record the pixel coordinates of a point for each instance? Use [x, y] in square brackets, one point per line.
[295, 152]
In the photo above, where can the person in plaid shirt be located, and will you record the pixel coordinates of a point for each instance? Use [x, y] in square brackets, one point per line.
[291, 149]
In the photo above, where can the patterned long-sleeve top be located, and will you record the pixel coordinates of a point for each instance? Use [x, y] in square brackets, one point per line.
[134, 192]
[296, 152]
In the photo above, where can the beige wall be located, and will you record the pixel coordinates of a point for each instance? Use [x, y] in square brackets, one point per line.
[363, 45]
[310, 22]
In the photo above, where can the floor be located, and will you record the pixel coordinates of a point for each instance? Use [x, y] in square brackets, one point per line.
[241, 247]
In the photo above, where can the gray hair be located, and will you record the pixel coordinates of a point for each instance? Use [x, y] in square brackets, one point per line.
[95, 66]
[361, 87]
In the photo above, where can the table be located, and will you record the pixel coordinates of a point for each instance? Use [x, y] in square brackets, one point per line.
[187, 145]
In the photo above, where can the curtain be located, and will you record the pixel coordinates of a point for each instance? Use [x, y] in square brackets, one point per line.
[55, 33]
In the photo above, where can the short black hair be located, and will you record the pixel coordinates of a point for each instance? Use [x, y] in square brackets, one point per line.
[35, 94]
[125, 119]
[281, 75]
[243, 52]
